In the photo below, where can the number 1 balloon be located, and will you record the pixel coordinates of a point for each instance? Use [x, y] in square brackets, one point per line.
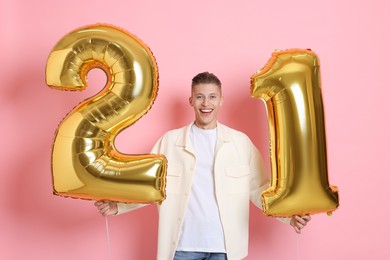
[85, 163]
[289, 84]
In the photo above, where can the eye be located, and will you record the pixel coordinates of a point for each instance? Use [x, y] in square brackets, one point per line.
[213, 96]
[199, 97]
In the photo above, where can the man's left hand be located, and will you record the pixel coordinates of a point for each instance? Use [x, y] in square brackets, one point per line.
[299, 222]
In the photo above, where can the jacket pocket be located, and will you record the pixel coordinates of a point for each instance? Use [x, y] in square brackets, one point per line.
[238, 179]
[174, 174]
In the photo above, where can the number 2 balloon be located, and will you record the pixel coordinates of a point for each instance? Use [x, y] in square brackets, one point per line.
[85, 163]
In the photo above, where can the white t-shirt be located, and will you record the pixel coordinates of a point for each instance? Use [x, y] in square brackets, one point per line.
[202, 229]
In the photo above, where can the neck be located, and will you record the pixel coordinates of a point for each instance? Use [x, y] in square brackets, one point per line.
[206, 127]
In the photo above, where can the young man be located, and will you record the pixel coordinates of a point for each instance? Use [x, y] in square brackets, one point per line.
[213, 173]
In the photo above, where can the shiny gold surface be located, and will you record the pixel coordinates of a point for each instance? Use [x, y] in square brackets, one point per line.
[85, 163]
[290, 86]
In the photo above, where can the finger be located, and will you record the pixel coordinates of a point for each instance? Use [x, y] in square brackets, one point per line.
[103, 206]
[109, 212]
[301, 220]
[105, 211]
[298, 219]
[299, 225]
[297, 229]
[305, 220]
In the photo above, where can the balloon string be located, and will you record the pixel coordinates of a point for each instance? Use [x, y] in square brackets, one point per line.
[298, 247]
[108, 239]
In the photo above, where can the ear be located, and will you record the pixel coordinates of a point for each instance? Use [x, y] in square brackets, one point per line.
[190, 101]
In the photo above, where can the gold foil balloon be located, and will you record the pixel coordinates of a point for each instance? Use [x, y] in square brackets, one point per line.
[289, 84]
[85, 163]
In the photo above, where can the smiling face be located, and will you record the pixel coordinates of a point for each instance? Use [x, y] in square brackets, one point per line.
[206, 99]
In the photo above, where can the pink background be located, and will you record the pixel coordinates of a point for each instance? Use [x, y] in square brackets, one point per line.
[232, 39]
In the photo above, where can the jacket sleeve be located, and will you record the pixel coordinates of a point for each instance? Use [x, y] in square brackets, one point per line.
[260, 180]
[259, 176]
[126, 207]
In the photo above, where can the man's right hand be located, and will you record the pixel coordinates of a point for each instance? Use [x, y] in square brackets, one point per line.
[107, 208]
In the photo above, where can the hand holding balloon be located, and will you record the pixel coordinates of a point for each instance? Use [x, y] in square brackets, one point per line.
[299, 222]
[107, 208]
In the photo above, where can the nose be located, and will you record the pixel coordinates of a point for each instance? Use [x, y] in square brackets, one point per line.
[205, 101]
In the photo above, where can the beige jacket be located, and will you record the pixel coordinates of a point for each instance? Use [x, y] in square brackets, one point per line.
[240, 177]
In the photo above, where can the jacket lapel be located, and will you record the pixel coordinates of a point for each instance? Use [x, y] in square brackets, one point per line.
[183, 139]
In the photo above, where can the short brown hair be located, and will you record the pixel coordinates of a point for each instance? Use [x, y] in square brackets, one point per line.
[206, 78]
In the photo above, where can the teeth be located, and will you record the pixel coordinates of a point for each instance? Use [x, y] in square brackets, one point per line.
[206, 110]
